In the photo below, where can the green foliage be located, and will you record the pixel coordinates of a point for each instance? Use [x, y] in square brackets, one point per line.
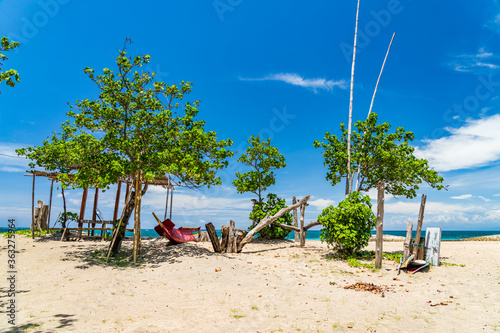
[263, 159]
[135, 124]
[381, 156]
[66, 218]
[353, 262]
[347, 227]
[26, 232]
[10, 76]
[269, 208]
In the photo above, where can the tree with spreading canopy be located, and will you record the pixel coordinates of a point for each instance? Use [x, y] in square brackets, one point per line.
[136, 129]
[10, 76]
[263, 159]
[381, 156]
[376, 156]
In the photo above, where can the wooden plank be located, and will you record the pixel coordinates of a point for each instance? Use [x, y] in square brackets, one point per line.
[379, 240]
[407, 244]
[213, 237]
[295, 221]
[418, 240]
[231, 239]
[432, 245]
[267, 221]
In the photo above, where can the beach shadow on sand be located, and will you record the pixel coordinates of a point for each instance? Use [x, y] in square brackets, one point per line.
[155, 251]
[65, 322]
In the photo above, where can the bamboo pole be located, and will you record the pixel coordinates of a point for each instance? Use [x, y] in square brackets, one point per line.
[351, 99]
[380, 226]
[33, 209]
[373, 98]
[50, 203]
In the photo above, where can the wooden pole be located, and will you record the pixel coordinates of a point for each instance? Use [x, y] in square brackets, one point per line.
[94, 210]
[380, 226]
[295, 220]
[117, 200]
[419, 226]
[230, 239]
[351, 99]
[127, 191]
[302, 231]
[166, 201]
[407, 248]
[33, 208]
[171, 201]
[50, 203]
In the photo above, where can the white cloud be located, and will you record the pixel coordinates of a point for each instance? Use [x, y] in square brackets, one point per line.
[9, 161]
[463, 196]
[480, 62]
[297, 80]
[484, 199]
[475, 144]
[321, 203]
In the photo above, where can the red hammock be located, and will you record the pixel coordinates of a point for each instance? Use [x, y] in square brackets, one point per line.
[181, 235]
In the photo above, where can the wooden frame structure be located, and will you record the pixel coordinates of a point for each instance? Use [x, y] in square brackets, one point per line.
[91, 224]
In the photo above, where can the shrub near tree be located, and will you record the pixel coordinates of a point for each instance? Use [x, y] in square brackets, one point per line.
[376, 155]
[269, 208]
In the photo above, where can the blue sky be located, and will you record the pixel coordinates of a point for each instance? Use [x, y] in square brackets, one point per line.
[280, 69]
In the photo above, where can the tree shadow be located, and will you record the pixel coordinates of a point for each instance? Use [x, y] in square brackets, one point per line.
[65, 322]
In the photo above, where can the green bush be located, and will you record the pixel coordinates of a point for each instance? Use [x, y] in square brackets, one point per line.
[347, 227]
[66, 218]
[269, 208]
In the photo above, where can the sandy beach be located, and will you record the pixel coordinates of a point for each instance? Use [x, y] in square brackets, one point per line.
[269, 287]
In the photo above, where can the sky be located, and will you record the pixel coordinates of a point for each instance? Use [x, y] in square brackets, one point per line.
[280, 69]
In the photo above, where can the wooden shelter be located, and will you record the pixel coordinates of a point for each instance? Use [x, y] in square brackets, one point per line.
[96, 223]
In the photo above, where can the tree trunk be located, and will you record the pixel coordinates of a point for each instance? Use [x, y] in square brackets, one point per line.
[137, 217]
[295, 221]
[121, 234]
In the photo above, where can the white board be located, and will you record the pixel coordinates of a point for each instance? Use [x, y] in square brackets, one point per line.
[432, 245]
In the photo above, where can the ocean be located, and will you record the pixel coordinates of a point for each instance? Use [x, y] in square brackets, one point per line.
[314, 234]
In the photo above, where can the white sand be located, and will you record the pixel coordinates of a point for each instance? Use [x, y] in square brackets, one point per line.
[267, 288]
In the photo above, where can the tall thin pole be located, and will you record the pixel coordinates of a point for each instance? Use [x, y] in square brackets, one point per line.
[117, 200]
[166, 201]
[171, 200]
[373, 98]
[50, 203]
[33, 208]
[349, 127]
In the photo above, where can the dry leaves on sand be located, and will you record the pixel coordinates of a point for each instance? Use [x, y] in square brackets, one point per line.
[364, 286]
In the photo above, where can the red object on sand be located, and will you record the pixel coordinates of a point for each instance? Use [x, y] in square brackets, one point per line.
[181, 235]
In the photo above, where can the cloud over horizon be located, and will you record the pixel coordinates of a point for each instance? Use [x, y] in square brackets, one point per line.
[475, 144]
[297, 80]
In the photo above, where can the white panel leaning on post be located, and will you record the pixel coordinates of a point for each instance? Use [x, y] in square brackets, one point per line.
[432, 245]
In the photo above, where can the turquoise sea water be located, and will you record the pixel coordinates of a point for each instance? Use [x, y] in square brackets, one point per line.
[314, 234]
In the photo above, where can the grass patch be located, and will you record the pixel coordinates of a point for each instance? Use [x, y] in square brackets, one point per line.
[27, 233]
[119, 260]
[444, 263]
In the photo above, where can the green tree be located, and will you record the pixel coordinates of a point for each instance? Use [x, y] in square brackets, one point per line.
[268, 208]
[10, 76]
[137, 129]
[347, 227]
[381, 156]
[263, 159]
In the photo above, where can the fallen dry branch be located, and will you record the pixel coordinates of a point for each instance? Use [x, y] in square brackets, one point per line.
[365, 286]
